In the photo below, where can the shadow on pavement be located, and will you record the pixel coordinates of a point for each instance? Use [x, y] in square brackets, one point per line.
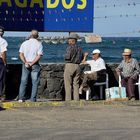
[1, 109]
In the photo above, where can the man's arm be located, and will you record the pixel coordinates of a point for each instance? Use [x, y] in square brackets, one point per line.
[137, 70]
[4, 57]
[102, 64]
[119, 68]
[35, 60]
[21, 55]
[85, 58]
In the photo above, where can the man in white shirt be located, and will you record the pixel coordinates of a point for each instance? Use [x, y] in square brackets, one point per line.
[30, 54]
[3, 50]
[98, 69]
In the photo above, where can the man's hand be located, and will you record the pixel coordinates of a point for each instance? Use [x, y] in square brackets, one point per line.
[86, 54]
[27, 65]
[30, 64]
[85, 58]
[118, 71]
[3, 54]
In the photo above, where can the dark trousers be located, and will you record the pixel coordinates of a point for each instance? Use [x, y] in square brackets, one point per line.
[2, 76]
[130, 87]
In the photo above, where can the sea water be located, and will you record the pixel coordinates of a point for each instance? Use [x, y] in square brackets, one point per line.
[111, 49]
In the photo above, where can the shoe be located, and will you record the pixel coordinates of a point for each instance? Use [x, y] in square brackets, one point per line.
[20, 101]
[2, 99]
[80, 90]
[95, 98]
[16, 99]
[132, 99]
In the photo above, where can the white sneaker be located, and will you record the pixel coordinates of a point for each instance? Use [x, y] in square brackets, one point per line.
[80, 91]
[20, 101]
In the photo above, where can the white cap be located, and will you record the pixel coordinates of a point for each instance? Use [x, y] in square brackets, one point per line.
[96, 51]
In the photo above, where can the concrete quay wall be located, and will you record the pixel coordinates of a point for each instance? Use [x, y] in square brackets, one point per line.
[51, 84]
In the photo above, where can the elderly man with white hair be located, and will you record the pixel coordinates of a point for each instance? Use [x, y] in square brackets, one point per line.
[97, 72]
[3, 50]
[30, 53]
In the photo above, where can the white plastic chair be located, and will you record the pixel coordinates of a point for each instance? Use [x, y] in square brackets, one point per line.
[100, 84]
[138, 84]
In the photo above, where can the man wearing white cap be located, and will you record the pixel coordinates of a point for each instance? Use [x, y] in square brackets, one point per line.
[3, 50]
[129, 70]
[30, 54]
[98, 69]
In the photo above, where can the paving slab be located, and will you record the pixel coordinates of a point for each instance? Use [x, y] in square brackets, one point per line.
[12, 104]
[91, 121]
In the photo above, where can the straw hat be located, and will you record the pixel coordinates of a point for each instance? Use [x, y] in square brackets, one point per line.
[96, 51]
[127, 52]
[73, 36]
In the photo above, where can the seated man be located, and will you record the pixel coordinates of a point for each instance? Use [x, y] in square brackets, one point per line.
[98, 69]
[129, 70]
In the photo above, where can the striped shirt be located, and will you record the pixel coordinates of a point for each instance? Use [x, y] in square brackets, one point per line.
[130, 68]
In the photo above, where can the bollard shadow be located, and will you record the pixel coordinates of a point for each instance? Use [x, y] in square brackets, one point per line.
[2, 109]
[13, 79]
[113, 78]
[13, 76]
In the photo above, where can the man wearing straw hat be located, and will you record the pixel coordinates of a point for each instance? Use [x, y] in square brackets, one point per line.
[3, 50]
[129, 70]
[73, 58]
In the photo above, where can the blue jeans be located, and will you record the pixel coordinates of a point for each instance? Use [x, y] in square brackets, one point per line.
[34, 71]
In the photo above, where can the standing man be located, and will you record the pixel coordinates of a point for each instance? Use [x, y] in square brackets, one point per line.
[73, 58]
[3, 50]
[129, 70]
[30, 54]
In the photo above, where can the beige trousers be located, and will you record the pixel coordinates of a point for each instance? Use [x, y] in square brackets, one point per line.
[86, 78]
[71, 80]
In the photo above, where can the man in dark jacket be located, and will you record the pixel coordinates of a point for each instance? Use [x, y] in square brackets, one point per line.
[73, 58]
[3, 50]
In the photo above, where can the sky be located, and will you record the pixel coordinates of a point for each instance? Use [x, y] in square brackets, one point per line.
[122, 19]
